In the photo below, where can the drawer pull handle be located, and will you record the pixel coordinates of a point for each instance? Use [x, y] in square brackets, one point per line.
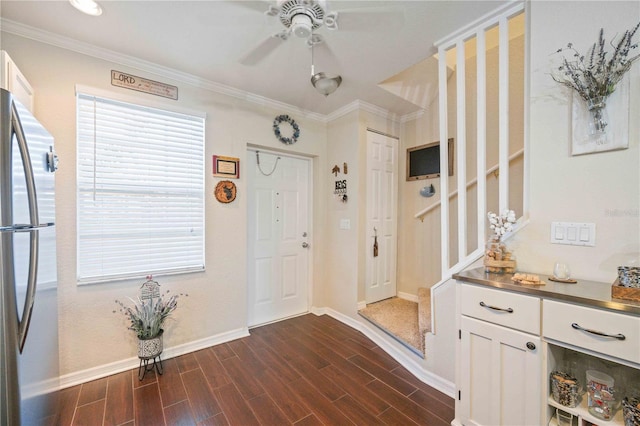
[495, 308]
[598, 333]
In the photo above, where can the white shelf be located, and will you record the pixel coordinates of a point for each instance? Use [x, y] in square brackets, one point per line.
[582, 412]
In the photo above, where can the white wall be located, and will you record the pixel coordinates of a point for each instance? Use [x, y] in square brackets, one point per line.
[91, 335]
[341, 255]
[602, 188]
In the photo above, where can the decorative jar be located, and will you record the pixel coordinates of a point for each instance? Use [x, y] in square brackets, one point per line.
[498, 258]
[631, 411]
[601, 399]
[565, 389]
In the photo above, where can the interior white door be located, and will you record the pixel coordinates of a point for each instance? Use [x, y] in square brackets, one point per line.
[278, 236]
[382, 199]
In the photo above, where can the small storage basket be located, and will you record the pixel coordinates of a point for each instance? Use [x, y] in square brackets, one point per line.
[631, 411]
[564, 389]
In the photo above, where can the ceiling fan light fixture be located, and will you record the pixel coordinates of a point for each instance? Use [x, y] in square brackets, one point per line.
[324, 84]
[301, 25]
[90, 7]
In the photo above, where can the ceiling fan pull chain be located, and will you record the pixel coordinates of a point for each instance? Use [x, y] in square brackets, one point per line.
[260, 168]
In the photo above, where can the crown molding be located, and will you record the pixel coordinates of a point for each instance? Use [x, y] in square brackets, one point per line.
[359, 105]
[87, 49]
[412, 116]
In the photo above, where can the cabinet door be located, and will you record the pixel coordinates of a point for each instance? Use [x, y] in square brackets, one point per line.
[15, 82]
[500, 372]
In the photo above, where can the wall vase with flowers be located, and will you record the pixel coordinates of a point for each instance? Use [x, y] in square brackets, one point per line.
[600, 86]
[498, 258]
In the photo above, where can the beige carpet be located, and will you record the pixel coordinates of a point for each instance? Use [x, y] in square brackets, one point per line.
[399, 318]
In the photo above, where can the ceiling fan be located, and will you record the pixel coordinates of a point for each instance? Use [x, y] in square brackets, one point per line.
[303, 18]
[300, 18]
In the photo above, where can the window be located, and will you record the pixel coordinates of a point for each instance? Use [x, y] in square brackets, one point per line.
[140, 190]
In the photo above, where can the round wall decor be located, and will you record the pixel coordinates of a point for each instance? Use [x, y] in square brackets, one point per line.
[294, 126]
[225, 191]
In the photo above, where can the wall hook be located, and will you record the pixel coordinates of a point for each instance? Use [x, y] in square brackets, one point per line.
[428, 191]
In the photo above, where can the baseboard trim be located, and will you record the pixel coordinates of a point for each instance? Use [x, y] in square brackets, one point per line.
[408, 296]
[405, 359]
[362, 304]
[105, 370]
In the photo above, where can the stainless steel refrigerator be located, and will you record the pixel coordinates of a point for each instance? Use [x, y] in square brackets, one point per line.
[29, 370]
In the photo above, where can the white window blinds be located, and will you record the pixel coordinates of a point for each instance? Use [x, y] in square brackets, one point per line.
[140, 190]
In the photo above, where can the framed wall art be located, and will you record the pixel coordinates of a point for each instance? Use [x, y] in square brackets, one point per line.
[227, 167]
[225, 191]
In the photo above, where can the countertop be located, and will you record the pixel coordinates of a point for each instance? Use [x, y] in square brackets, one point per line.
[590, 293]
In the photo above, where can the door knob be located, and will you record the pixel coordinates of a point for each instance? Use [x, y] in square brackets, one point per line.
[305, 245]
[531, 346]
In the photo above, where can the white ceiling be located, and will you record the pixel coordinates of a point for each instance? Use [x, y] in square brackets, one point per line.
[209, 39]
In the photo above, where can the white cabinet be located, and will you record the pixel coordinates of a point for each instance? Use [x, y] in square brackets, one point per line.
[500, 375]
[499, 358]
[593, 339]
[14, 81]
[501, 307]
[608, 333]
[511, 338]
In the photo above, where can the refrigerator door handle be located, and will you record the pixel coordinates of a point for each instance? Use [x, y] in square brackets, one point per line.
[23, 326]
[21, 227]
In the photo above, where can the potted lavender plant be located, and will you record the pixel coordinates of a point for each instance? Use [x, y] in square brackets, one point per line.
[147, 315]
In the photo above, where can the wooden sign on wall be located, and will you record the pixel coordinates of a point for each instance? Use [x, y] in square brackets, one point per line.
[128, 81]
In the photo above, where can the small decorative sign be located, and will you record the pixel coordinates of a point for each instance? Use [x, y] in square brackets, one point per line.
[140, 84]
[225, 191]
[150, 289]
[341, 190]
[226, 167]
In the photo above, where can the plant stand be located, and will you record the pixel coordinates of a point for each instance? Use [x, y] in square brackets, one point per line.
[148, 364]
[149, 351]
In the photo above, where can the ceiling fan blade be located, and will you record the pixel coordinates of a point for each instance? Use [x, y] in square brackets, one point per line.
[264, 49]
[369, 19]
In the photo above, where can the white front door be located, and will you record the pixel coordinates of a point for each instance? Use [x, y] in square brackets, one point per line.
[279, 192]
[382, 199]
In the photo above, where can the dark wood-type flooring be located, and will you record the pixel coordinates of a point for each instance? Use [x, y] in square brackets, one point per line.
[309, 370]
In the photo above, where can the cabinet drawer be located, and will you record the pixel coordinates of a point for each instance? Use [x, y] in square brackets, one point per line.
[578, 325]
[501, 307]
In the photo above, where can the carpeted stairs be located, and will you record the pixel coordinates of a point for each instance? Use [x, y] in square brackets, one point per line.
[404, 320]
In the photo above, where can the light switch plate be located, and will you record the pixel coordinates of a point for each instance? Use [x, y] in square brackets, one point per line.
[573, 233]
